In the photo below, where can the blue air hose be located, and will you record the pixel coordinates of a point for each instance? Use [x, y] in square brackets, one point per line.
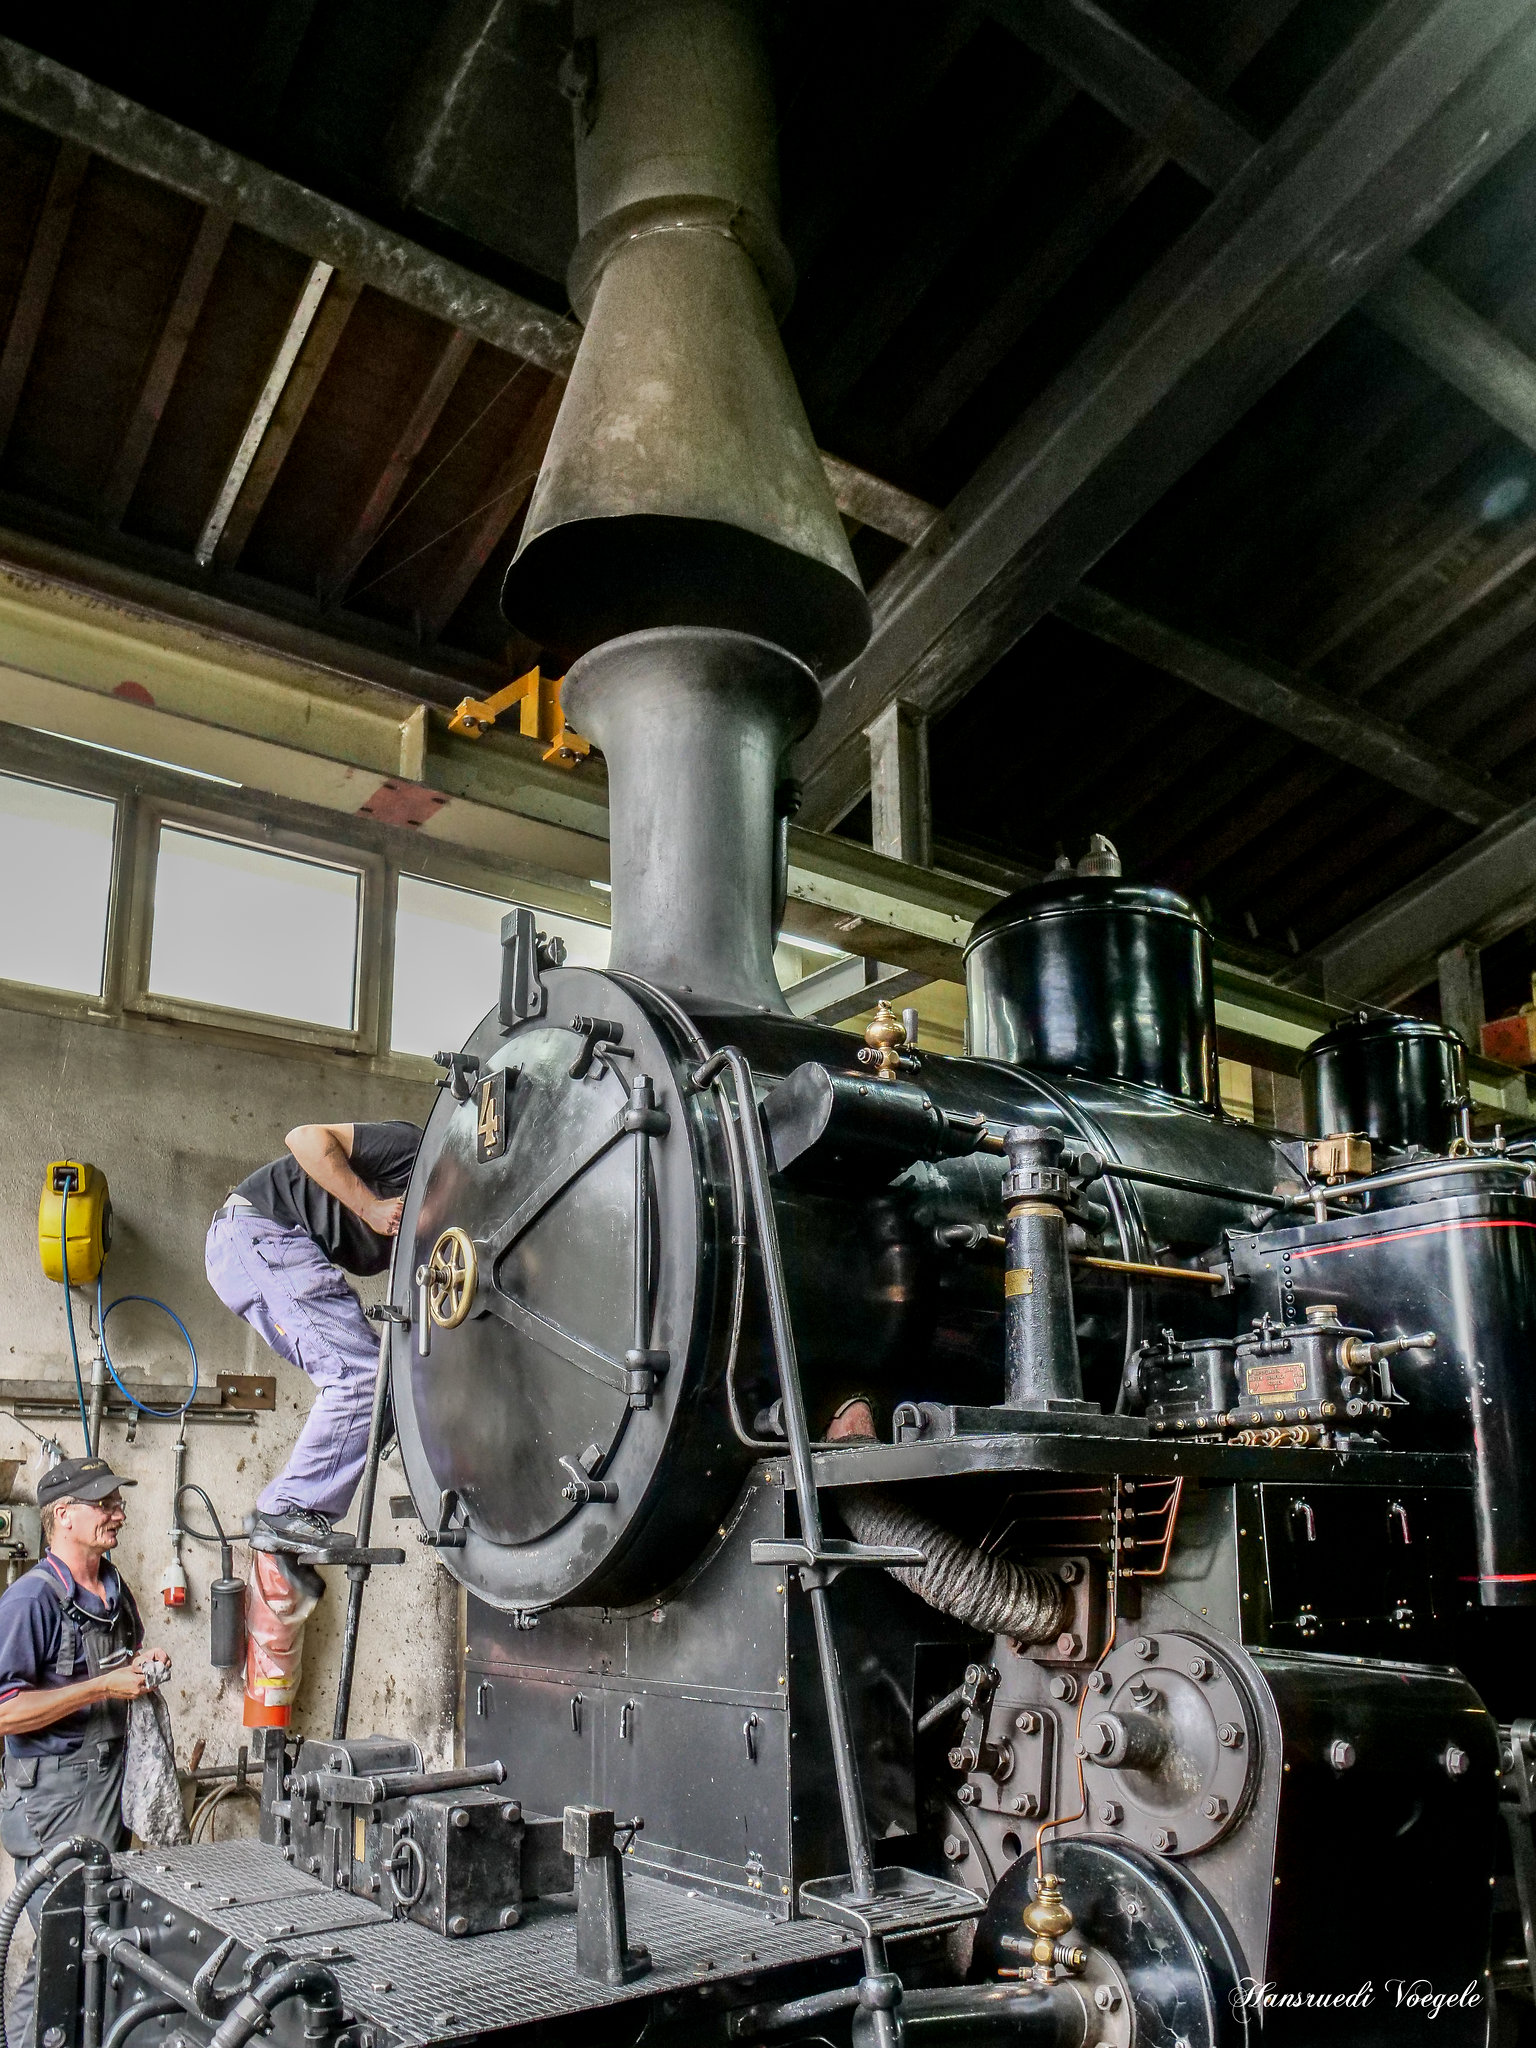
[102, 1312]
[69, 1313]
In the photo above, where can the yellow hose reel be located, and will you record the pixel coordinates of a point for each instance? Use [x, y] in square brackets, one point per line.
[88, 1220]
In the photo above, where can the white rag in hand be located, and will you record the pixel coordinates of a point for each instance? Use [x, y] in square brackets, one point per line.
[152, 1804]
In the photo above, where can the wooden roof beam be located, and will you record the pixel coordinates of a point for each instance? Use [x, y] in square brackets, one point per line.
[42, 267]
[1143, 89]
[1424, 100]
[1344, 732]
[316, 347]
[1479, 893]
[456, 350]
[91, 116]
[230, 520]
[164, 366]
[510, 489]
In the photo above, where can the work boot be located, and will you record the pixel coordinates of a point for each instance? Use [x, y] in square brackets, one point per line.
[296, 1530]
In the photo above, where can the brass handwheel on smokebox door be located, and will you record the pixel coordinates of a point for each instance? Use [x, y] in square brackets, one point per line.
[451, 1275]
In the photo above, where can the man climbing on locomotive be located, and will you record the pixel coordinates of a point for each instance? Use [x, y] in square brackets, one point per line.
[277, 1254]
[71, 1660]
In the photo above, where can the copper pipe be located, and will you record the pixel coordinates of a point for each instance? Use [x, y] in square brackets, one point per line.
[1173, 1522]
[1156, 1272]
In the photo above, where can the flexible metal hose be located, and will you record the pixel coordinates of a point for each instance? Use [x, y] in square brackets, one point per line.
[79, 1848]
[989, 1593]
[132, 2017]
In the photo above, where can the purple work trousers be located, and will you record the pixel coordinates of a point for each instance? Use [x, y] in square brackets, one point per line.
[280, 1281]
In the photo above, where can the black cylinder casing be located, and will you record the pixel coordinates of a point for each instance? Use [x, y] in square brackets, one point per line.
[1085, 975]
[1463, 1265]
[1039, 1332]
[226, 1624]
[1394, 1078]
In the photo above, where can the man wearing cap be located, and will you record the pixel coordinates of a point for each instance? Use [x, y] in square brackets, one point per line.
[277, 1254]
[71, 1659]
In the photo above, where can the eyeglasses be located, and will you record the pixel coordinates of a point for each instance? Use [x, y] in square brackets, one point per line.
[109, 1506]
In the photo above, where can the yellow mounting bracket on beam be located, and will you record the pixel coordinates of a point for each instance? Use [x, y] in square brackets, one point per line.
[541, 717]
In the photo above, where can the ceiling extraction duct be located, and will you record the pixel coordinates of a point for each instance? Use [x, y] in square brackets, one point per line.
[682, 539]
[682, 486]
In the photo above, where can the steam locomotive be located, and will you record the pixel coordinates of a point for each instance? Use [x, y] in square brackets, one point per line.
[979, 1548]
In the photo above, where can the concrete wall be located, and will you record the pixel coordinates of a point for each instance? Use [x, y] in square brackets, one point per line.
[174, 1119]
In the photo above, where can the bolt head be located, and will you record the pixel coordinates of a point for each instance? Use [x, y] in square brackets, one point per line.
[1199, 1667]
[1229, 1735]
[1145, 1647]
[1101, 1739]
[1214, 1808]
[1165, 1838]
[1063, 1686]
[1111, 1813]
[459, 1817]
[957, 1759]
[1069, 1645]
[1141, 1692]
[1457, 1762]
[1098, 1681]
[1069, 1572]
[1341, 1754]
[968, 1795]
[956, 1849]
[1027, 1723]
[1025, 1803]
[458, 1924]
[1106, 1997]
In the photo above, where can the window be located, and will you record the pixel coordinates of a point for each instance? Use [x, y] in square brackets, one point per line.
[56, 855]
[244, 929]
[448, 961]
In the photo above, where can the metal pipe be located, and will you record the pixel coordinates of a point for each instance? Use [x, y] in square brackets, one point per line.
[371, 1791]
[1041, 2015]
[1152, 1272]
[1404, 1176]
[98, 1398]
[642, 1097]
[850, 1797]
[358, 1574]
[760, 2022]
[121, 1948]
[1183, 1184]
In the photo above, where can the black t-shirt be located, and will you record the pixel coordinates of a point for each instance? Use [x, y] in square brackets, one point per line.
[382, 1157]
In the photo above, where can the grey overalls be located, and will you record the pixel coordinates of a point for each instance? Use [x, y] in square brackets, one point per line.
[48, 1798]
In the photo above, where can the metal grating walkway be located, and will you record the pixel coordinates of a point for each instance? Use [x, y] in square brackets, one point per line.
[424, 1989]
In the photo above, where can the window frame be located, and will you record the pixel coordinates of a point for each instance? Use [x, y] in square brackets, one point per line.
[149, 794]
[71, 1001]
[138, 997]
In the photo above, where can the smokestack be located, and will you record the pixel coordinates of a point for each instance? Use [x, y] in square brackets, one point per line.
[682, 543]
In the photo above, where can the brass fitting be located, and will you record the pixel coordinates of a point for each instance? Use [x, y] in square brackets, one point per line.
[1048, 1917]
[884, 1036]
